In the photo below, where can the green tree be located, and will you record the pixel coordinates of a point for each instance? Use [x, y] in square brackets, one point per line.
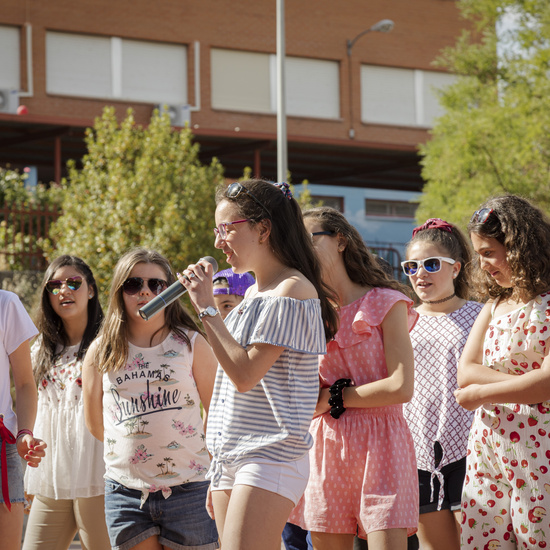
[138, 186]
[494, 137]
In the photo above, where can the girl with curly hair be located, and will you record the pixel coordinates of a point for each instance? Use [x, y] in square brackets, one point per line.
[504, 375]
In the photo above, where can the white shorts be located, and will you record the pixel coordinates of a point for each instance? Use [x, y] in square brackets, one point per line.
[288, 479]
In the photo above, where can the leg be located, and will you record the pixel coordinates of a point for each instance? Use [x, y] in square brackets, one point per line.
[220, 501]
[152, 543]
[90, 520]
[11, 525]
[255, 519]
[331, 541]
[439, 531]
[51, 524]
[389, 539]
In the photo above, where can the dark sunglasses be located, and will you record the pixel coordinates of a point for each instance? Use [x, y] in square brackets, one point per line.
[133, 285]
[481, 216]
[431, 265]
[54, 286]
[236, 189]
[322, 233]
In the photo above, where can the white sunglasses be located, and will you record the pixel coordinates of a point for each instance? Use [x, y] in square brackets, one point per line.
[431, 265]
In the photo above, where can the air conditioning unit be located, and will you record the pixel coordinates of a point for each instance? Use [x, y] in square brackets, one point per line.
[180, 115]
[9, 100]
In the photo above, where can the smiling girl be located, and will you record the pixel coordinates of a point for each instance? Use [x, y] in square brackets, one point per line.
[504, 373]
[438, 258]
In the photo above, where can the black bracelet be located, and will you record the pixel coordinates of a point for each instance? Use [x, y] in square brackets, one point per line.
[336, 399]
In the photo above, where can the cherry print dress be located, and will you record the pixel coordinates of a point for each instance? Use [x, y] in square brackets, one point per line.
[363, 474]
[506, 496]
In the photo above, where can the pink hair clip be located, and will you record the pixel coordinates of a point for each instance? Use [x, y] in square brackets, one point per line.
[433, 223]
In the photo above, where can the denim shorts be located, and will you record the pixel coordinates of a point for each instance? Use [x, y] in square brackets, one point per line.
[15, 475]
[180, 521]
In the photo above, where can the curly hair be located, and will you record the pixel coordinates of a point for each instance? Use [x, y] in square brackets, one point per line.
[361, 265]
[112, 349]
[53, 336]
[454, 245]
[524, 230]
[289, 239]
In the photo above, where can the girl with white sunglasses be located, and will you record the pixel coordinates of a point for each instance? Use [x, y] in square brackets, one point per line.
[437, 265]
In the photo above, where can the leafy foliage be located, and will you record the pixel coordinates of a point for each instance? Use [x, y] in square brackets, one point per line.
[137, 187]
[494, 137]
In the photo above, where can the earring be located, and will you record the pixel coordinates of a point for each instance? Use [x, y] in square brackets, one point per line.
[90, 296]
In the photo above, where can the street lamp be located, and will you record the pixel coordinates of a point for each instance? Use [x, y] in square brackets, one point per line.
[385, 25]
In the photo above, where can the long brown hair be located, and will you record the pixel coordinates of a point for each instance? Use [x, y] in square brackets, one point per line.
[524, 230]
[361, 265]
[289, 240]
[112, 350]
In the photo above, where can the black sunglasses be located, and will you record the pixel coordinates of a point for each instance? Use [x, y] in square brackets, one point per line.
[54, 286]
[236, 189]
[323, 233]
[133, 285]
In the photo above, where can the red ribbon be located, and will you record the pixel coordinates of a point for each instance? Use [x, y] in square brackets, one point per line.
[7, 437]
[433, 223]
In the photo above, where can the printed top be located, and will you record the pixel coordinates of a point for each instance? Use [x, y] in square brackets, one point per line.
[15, 328]
[433, 413]
[73, 466]
[272, 419]
[154, 435]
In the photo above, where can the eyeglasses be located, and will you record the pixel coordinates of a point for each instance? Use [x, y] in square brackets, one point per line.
[54, 286]
[221, 230]
[481, 216]
[236, 189]
[133, 285]
[431, 265]
[314, 234]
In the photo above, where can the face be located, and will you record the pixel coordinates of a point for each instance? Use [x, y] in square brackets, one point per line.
[325, 246]
[226, 303]
[70, 304]
[241, 240]
[133, 303]
[432, 286]
[492, 259]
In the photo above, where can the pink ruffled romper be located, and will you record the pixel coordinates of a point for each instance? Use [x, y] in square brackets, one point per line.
[363, 474]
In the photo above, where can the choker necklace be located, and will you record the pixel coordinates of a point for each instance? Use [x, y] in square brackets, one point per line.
[439, 301]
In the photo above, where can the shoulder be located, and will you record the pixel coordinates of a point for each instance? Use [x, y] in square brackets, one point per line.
[297, 286]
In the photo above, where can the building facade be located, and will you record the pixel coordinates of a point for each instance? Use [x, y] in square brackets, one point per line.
[355, 116]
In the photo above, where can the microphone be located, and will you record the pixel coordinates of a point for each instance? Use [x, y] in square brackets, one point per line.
[166, 297]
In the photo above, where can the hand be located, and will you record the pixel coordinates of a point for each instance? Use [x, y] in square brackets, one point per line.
[31, 449]
[322, 403]
[209, 505]
[470, 397]
[197, 279]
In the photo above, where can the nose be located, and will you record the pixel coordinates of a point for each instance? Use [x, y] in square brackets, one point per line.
[219, 241]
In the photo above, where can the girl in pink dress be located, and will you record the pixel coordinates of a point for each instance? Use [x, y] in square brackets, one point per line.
[504, 373]
[363, 473]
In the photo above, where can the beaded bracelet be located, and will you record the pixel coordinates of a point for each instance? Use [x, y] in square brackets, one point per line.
[336, 399]
[22, 432]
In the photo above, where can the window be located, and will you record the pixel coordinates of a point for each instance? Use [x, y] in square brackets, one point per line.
[333, 202]
[9, 60]
[393, 209]
[401, 96]
[246, 81]
[111, 67]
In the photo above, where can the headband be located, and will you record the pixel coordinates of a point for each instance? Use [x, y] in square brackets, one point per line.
[433, 223]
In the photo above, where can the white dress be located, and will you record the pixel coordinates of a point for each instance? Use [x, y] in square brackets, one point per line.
[73, 466]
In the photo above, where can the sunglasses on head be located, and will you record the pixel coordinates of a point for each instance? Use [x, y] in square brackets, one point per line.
[431, 265]
[133, 285]
[54, 286]
[236, 189]
[481, 216]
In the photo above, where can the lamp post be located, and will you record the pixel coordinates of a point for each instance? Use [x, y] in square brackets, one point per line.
[385, 25]
[282, 148]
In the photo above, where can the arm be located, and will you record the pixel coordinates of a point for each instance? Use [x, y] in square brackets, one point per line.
[28, 447]
[398, 387]
[92, 393]
[470, 367]
[204, 373]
